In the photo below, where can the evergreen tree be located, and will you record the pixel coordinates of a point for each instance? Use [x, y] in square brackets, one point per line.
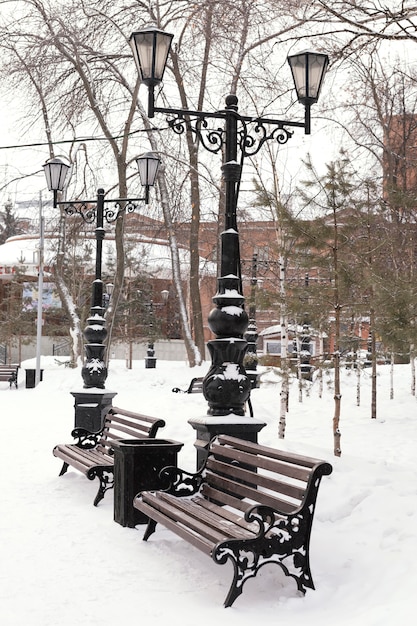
[327, 242]
[9, 224]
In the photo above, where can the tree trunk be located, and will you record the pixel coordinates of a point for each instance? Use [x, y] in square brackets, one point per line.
[391, 393]
[197, 313]
[373, 360]
[284, 395]
[193, 353]
[337, 395]
[337, 309]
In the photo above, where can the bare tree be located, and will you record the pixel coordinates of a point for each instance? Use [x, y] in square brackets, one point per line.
[81, 81]
[356, 25]
[220, 47]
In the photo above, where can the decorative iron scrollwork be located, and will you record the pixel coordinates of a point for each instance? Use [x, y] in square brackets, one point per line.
[86, 440]
[177, 124]
[284, 541]
[106, 477]
[212, 138]
[180, 483]
[251, 143]
[86, 209]
[252, 133]
[111, 214]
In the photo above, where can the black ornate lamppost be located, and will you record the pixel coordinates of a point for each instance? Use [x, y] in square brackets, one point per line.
[107, 295]
[94, 371]
[226, 386]
[150, 359]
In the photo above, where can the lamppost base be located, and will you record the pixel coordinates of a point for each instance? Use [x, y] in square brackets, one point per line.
[91, 408]
[208, 427]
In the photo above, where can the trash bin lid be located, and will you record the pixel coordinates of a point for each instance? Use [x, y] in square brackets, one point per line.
[147, 442]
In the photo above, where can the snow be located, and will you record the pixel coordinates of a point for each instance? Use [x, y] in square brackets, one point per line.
[65, 562]
[233, 310]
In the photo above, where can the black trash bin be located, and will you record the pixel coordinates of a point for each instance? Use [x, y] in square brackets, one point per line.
[137, 463]
[31, 377]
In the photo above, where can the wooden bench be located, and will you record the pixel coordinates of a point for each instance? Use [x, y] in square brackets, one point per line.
[250, 503]
[66, 363]
[9, 373]
[195, 386]
[92, 454]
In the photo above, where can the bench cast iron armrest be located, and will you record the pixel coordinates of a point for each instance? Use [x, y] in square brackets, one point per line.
[86, 440]
[180, 482]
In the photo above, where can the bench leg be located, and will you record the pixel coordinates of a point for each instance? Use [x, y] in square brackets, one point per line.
[150, 529]
[63, 469]
[248, 556]
[242, 574]
[106, 483]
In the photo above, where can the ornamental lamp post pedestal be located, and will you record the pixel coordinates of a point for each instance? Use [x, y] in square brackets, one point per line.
[226, 386]
[150, 359]
[91, 406]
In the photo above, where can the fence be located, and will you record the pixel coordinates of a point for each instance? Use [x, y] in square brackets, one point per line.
[169, 350]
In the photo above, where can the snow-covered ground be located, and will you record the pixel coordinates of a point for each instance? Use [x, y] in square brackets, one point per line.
[65, 562]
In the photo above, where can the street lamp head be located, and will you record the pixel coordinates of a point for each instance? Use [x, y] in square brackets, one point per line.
[308, 70]
[56, 172]
[150, 48]
[148, 166]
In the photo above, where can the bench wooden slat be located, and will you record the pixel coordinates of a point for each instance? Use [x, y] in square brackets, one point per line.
[250, 477]
[120, 418]
[231, 525]
[88, 458]
[252, 505]
[119, 415]
[196, 540]
[223, 527]
[277, 466]
[225, 499]
[189, 516]
[125, 426]
[83, 465]
[224, 512]
[253, 495]
[273, 453]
